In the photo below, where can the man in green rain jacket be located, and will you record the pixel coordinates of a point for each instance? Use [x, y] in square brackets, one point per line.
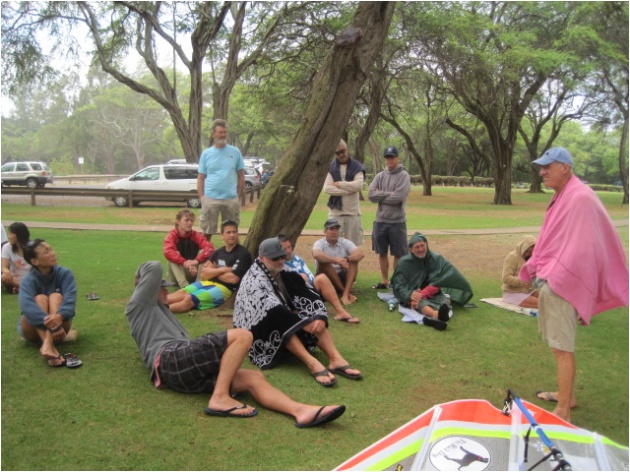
[423, 279]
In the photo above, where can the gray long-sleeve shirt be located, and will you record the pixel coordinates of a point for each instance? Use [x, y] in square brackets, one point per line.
[152, 324]
[390, 190]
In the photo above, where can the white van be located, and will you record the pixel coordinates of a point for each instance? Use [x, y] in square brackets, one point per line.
[166, 177]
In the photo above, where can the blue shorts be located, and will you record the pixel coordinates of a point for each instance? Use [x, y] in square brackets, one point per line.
[206, 294]
[392, 236]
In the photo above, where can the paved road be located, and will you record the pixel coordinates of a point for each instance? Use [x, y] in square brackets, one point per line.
[167, 228]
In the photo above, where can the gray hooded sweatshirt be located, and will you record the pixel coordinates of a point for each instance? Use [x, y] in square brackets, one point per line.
[390, 190]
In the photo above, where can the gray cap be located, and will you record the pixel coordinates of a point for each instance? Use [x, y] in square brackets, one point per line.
[331, 223]
[271, 248]
[557, 154]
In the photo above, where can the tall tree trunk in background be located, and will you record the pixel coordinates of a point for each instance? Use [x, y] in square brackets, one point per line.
[291, 195]
[623, 152]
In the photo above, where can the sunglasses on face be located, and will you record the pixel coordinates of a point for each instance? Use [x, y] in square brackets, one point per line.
[339, 153]
[276, 259]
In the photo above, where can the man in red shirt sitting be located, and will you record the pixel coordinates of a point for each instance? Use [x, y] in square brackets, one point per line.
[185, 250]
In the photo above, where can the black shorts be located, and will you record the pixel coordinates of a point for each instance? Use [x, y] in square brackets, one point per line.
[392, 236]
[192, 366]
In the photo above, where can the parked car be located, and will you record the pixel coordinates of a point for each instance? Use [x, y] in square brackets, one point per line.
[166, 177]
[30, 173]
[177, 161]
[253, 179]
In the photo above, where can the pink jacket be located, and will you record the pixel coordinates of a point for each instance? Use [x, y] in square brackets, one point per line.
[579, 253]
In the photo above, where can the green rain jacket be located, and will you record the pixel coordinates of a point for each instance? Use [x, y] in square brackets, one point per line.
[413, 273]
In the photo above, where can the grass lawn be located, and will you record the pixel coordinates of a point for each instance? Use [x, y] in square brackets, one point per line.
[107, 416]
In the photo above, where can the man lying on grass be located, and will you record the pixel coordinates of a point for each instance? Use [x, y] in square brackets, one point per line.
[209, 363]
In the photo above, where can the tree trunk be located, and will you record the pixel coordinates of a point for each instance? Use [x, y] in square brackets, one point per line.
[291, 195]
[374, 104]
[503, 179]
[623, 152]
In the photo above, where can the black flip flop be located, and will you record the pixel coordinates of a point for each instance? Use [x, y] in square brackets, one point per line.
[379, 286]
[320, 420]
[343, 371]
[229, 412]
[324, 373]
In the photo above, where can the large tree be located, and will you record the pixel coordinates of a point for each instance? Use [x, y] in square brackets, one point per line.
[494, 56]
[293, 192]
[234, 36]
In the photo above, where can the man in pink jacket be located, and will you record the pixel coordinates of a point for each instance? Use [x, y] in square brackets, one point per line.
[579, 266]
[185, 250]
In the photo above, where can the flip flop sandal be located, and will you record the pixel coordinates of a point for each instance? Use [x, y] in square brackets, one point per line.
[343, 371]
[324, 373]
[351, 320]
[230, 412]
[72, 361]
[547, 396]
[379, 286]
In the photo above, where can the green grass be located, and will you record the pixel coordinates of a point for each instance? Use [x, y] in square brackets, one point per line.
[107, 416]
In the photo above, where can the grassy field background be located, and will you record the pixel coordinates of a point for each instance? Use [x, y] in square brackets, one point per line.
[107, 416]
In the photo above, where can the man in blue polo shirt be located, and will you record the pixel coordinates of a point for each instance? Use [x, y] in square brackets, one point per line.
[220, 181]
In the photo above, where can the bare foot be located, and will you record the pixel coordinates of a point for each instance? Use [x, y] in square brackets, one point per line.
[49, 351]
[566, 416]
[348, 300]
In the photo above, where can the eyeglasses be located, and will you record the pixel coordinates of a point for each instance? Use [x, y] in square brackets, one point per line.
[339, 153]
[276, 259]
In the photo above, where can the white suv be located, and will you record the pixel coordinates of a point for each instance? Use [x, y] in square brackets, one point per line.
[30, 173]
[165, 177]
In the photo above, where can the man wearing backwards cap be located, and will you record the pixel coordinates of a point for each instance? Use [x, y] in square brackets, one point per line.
[579, 266]
[285, 314]
[338, 258]
[207, 364]
[389, 189]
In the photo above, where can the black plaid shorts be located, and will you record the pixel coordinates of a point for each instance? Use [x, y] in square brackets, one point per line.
[192, 366]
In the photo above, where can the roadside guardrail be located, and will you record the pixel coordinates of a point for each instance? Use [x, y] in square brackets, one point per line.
[131, 195]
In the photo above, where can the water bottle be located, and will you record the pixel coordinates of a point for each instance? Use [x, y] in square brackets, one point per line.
[391, 304]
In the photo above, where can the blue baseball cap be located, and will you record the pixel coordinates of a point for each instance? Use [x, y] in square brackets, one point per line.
[557, 154]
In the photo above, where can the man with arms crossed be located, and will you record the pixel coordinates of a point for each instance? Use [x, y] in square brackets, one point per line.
[220, 181]
[207, 364]
[390, 189]
[579, 266]
[344, 183]
[219, 278]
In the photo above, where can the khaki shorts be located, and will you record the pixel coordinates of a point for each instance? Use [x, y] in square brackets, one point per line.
[351, 228]
[557, 320]
[210, 210]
